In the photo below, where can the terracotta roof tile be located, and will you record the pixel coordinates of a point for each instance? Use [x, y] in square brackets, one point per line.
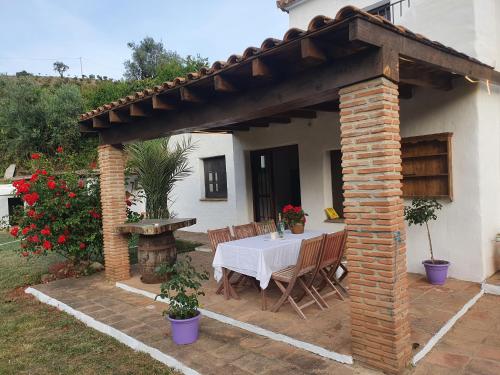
[316, 23]
[283, 4]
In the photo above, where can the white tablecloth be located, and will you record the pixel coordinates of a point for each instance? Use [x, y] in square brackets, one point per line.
[259, 256]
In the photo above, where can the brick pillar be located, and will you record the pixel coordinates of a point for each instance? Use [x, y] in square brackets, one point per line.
[376, 251]
[114, 212]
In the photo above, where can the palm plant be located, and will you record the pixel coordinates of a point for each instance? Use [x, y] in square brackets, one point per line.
[158, 167]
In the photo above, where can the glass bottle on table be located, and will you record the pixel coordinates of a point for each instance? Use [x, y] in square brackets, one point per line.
[281, 226]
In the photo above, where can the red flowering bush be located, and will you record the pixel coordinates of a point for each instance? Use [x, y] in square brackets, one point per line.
[294, 215]
[61, 212]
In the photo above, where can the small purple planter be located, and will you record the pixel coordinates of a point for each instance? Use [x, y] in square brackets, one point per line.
[185, 331]
[436, 272]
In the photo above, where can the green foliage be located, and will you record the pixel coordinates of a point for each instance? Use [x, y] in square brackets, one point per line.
[158, 167]
[146, 57]
[36, 117]
[182, 288]
[421, 211]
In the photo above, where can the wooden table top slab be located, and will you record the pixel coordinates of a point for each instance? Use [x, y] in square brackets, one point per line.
[150, 227]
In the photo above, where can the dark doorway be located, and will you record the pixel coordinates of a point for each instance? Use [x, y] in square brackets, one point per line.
[275, 180]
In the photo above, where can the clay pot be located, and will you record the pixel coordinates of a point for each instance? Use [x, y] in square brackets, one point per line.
[297, 228]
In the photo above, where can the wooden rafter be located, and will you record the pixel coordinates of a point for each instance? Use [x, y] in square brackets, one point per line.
[311, 53]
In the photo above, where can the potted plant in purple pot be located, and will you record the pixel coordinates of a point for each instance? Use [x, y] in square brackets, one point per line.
[182, 290]
[421, 212]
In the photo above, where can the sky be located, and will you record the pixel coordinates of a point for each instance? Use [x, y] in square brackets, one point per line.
[35, 33]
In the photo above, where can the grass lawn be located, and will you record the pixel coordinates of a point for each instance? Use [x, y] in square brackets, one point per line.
[38, 339]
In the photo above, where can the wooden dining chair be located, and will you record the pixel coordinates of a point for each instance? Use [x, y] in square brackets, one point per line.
[216, 237]
[264, 227]
[244, 231]
[310, 251]
[329, 263]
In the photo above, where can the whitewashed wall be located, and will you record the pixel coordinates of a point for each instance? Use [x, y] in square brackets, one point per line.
[189, 194]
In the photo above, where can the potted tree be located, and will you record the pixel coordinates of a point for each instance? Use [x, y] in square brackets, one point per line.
[295, 218]
[421, 212]
[182, 290]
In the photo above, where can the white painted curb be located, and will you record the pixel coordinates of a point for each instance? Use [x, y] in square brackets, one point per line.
[7, 243]
[113, 332]
[444, 329]
[491, 289]
[342, 358]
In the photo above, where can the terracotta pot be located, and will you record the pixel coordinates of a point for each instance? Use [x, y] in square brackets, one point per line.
[297, 228]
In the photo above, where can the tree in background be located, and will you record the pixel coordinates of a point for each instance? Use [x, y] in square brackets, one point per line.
[158, 167]
[146, 57]
[60, 68]
[39, 118]
[151, 60]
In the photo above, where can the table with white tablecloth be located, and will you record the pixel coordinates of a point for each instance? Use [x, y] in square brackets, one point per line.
[259, 256]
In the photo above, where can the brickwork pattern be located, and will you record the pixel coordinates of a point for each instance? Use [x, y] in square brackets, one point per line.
[376, 252]
[114, 212]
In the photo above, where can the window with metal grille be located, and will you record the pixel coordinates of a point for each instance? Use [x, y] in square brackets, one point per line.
[215, 177]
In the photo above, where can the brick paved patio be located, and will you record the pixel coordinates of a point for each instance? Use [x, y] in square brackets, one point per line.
[223, 347]
[471, 347]
[430, 308]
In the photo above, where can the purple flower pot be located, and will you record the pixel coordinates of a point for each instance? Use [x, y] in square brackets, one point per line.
[185, 331]
[436, 272]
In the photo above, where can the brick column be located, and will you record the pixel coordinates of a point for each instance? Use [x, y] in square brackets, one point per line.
[376, 252]
[114, 212]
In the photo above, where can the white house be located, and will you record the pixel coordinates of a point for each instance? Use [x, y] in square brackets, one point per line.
[249, 175]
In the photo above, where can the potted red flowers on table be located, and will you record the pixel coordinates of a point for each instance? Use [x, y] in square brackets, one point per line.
[295, 218]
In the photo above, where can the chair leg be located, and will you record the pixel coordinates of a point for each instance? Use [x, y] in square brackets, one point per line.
[340, 286]
[263, 299]
[331, 285]
[283, 298]
[296, 307]
[319, 297]
[220, 288]
[306, 290]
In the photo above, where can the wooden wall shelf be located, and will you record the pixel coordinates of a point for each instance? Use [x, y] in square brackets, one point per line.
[427, 168]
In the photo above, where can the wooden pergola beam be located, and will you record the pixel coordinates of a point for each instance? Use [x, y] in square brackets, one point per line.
[302, 90]
[311, 53]
[161, 103]
[221, 84]
[137, 110]
[260, 69]
[379, 36]
[188, 95]
[300, 113]
[100, 122]
[119, 117]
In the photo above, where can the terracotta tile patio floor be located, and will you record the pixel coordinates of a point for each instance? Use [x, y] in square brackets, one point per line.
[224, 347]
[221, 349]
[430, 308]
[471, 347]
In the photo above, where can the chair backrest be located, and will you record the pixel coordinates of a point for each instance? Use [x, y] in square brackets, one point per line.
[264, 227]
[333, 249]
[217, 236]
[244, 231]
[310, 252]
